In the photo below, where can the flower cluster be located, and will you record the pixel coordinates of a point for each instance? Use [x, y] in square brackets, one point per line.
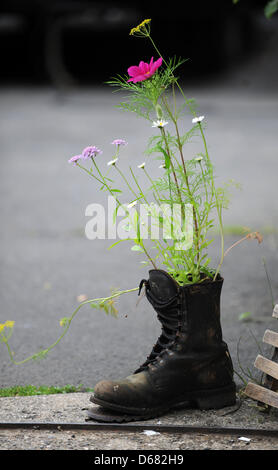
[4, 337]
[88, 152]
[143, 29]
[119, 142]
[7, 324]
[92, 151]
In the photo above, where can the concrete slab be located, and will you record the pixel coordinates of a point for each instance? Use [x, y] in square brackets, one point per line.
[72, 408]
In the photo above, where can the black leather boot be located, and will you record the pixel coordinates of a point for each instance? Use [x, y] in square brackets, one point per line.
[190, 364]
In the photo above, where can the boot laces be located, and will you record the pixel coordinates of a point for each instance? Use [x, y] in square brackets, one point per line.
[171, 325]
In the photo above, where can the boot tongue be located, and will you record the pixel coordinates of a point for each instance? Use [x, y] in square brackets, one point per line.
[162, 285]
[161, 290]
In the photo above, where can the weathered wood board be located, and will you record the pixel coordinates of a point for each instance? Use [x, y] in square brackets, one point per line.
[267, 366]
[267, 393]
[262, 394]
[271, 337]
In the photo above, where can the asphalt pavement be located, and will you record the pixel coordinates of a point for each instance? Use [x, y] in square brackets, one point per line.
[47, 262]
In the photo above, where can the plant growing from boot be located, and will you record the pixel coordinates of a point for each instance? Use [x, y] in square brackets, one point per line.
[187, 183]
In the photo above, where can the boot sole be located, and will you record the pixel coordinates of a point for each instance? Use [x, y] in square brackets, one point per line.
[105, 415]
[201, 399]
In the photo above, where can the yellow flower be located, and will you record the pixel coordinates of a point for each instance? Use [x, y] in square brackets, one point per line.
[143, 29]
[64, 321]
[9, 324]
[2, 326]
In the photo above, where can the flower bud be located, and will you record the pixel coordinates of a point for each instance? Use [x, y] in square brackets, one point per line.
[159, 111]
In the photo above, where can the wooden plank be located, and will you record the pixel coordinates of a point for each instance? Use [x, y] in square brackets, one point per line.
[271, 337]
[275, 311]
[270, 382]
[262, 394]
[267, 366]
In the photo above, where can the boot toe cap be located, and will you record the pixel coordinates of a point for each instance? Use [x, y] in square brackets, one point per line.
[133, 391]
[105, 390]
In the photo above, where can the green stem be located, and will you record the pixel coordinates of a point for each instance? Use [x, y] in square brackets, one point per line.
[125, 180]
[147, 254]
[205, 145]
[138, 186]
[171, 163]
[34, 356]
[176, 81]
[186, 176]
[89, 173]
[204, 180]
[107, 187]
[158, 244]
[269, 283]
[155, 192]
[218, 206]
[159, 247]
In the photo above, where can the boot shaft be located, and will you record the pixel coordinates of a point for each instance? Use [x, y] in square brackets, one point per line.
[191, 312]
[197, 358]
[200, 314]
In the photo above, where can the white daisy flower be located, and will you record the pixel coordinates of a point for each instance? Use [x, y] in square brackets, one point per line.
[199, 159]
[142, 165]
[112, 162]
[160, 123]
[162, 166]
[131, 204]
[197, 119]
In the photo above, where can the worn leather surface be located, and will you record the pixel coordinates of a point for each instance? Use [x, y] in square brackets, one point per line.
[189, 356]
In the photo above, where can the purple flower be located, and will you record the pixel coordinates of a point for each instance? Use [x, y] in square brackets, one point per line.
[119, 142]
[90, 152]
[75, 159]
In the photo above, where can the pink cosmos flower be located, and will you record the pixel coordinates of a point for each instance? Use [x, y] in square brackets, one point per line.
[144, 70]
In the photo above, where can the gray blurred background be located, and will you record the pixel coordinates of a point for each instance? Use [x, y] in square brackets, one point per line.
[55, 59]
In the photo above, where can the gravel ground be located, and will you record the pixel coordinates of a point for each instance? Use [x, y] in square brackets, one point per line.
[89, 440]
[72, 408]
